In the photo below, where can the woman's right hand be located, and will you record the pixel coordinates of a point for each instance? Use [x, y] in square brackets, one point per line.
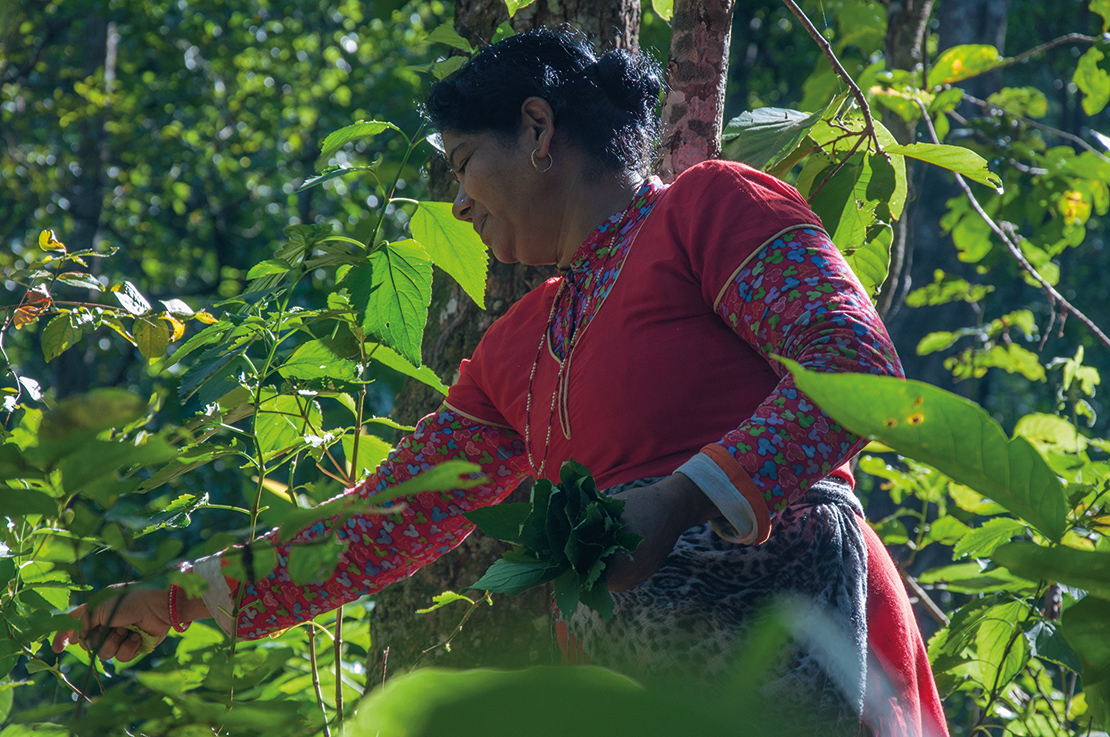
[106, 626]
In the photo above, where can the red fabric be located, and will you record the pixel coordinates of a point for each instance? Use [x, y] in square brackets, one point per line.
[683, 379]
[902, 698]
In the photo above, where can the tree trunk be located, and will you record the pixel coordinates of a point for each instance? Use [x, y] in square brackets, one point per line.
[513, 632]
[697, 71]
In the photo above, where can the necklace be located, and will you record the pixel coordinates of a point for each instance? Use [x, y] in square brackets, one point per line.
[625, 234]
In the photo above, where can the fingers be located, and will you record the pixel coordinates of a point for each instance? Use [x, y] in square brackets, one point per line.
[112, 641]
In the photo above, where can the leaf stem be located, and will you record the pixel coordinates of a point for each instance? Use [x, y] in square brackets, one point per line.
[316, 681]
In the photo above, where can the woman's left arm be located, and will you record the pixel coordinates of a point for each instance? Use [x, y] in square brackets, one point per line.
[796, 298]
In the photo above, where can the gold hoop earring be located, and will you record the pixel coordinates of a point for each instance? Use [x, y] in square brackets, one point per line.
[550, 162]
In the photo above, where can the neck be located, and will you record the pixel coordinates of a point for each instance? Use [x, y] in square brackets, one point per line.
[592, 203]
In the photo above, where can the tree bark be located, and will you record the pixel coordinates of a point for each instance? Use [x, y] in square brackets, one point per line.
[697, 71]
[513, 632]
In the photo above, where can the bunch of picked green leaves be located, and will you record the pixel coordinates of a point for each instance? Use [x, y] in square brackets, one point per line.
[565, 534]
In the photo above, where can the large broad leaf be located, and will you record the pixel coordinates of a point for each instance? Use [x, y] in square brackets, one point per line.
[871, 261]
[284, 420]
[1093, 81]
[843, 204]
[391, 359]
[393, 292]
[761, 138]
[1086, 627]
[20, 502]
[321, 359]
[1084, 569]
[888, 186]
[453, 246]
[505, 577]
[948, 432]
[354, 132]
[962, 62]
[954, 158]
[501, 521]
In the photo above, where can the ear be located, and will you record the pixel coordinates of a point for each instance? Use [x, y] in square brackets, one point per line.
[537, 124]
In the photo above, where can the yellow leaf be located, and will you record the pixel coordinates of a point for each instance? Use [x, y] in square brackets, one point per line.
[25, 316]
[177, 325]
[276, 488]
[48, 242]
[205, 317]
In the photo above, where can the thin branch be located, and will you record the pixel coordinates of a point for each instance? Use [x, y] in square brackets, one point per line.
[339, 667]
[923, 597]
[989, 106]
[1015, 251]
[1037, 50]
[857, 93]
[316, 681]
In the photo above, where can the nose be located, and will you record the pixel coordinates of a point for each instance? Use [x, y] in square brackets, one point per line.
[461, 208]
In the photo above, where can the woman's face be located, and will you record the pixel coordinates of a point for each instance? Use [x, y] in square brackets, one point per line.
[500, 195]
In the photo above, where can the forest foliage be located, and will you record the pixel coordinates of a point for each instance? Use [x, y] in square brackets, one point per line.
[236, 389]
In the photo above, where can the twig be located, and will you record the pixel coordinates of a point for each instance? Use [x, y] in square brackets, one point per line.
[339, 667]
[1015, 251]
[989, 106]
[822, 42]
[385, 662]
[316, 681]
[1069, 38]
[923, 597]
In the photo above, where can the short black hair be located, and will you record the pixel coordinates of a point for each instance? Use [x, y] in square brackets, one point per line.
[605, 105]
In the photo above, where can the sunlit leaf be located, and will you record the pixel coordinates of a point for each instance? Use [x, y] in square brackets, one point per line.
[333, 172]
[515, 5]
[453, 246]
[59, 335]
[1086, 627]
[1093, 81]
[446, 34]
[392, 293]
[152, 337]
[954, 435]
[1083, 569]
[954, 158]
[49, 242]
[983, 541]
[1028, 102]
[763, 137]
[356, 132]
[390, 358]
[81, 280]
[128, 295]
[663, 8]
[962, 62]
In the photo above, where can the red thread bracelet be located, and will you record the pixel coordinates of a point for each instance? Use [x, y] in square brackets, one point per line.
[172, 604]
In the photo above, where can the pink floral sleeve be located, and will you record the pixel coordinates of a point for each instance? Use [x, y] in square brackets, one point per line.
[798, 298]
[386, 548]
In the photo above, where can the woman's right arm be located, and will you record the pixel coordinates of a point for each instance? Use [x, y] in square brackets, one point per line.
[382, 548]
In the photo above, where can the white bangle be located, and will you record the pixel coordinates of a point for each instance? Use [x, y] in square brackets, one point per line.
[737, 523]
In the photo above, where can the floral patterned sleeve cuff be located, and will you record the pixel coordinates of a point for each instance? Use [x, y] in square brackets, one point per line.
[797, 298]
[384, 548]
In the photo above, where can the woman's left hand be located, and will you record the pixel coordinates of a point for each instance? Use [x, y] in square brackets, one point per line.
[660, 512]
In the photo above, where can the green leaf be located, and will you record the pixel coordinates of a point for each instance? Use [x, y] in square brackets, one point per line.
[443, 599]
[443, 69]
[983, 541]
[322, 359]
[267, 267]
[515, 5]
[81, 281]
[871, 261]
[94, 411]
[962, 62]
[948, 432]
[939, 341]
[1084, 569]
[284, 420]
[356, 132]
[390, 358]
[152, 337]
[333, 172]
[453, 246]
[1086, 627]
[315, 561]
[21, 502]
[393, 292]
[663, 8]
[1001, 649]
[1028, 102]
[58, 336]
[947, 288]
[1093, 81]
[505, 577]
[501, 521]
[1046, 641]
[567, 590]
[954, 158]
[843, 205]
[445, 34]
[372, 450]
[763, 137]
[1102, 7]
[972, 578]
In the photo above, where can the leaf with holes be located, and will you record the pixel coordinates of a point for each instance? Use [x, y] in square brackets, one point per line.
[950, 433]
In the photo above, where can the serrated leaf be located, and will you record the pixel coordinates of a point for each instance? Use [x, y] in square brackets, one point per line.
[132, 300]
[453, 246]
[392, 293]
[954, 158]
[356, 132]
[1084, 569]
[58, 336]
[954, 435]
[983, 541]
[1048, 643]
[322, 359]
[391, 359]
[268, 267]
[152, 337]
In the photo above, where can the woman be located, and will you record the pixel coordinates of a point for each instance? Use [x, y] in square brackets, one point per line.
[649, 359]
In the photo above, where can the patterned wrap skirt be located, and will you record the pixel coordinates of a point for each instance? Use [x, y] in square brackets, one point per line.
[688, 622]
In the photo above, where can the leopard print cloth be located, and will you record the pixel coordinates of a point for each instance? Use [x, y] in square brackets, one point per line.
[687, 619]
